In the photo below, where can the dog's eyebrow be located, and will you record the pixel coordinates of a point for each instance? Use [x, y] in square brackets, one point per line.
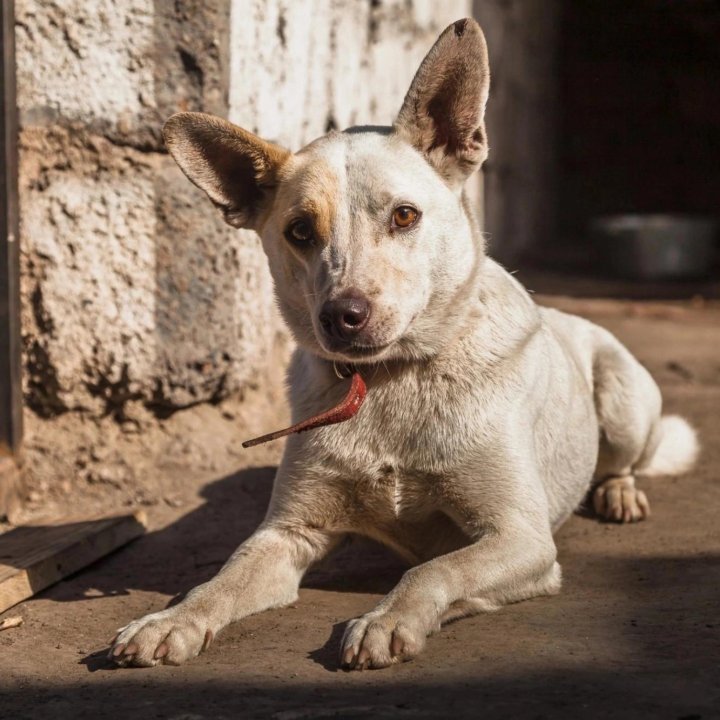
[379, 201]
[320, 212]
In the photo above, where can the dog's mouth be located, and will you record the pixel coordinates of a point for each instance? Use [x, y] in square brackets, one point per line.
[366, 348]
[357, 352]
[368, 353]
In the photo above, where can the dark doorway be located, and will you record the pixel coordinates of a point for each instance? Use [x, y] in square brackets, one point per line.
[638, 133]
[640, 109]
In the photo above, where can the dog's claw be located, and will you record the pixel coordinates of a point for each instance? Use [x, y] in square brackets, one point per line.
[118, 650]
[379, 641]
[169, 637]
[348, 658]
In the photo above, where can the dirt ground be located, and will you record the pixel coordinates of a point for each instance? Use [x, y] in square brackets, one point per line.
[635, 632]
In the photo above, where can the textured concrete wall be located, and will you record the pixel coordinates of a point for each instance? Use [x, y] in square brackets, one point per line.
[520, 179]
[134, 291]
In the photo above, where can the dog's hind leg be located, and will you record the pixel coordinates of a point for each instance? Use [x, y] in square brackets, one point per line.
[635, 440]
[627, 402]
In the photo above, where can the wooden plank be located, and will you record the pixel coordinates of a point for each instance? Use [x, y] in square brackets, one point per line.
[36, 556]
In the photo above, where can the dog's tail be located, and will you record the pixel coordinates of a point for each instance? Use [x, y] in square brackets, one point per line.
[676, 452]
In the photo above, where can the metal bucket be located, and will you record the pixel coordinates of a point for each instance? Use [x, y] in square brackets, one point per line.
[654, 247]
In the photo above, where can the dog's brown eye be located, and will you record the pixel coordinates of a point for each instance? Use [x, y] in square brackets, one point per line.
[299, 233]
[404, 216]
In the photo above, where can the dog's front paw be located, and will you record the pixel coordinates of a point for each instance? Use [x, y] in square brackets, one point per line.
[169, 637]
[379, 640]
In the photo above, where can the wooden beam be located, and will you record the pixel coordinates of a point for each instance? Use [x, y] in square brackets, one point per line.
[34, 557]
[10, 487]
[10, 358]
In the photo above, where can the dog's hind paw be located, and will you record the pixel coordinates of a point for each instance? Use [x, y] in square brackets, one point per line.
[169, 637]
[619, 500]
[378, 641]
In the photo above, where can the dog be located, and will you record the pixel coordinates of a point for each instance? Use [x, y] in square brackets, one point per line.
[487, 419]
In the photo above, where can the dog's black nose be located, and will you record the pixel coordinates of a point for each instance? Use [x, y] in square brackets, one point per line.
[345, 317]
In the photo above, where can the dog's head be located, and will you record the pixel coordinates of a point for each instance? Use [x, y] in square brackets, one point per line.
[370, 246]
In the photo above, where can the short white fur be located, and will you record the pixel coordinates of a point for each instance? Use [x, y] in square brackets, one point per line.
[488, 419]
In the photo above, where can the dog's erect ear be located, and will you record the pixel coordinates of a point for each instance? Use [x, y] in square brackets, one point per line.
[442, 115]
[237, 170]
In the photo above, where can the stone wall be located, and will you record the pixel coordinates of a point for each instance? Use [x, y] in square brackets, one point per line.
[133, 290]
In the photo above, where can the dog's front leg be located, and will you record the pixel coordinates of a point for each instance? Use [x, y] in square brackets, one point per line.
[264, 572]
[504, 565]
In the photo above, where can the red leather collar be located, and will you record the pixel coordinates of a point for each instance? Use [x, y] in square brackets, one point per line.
[344, 410]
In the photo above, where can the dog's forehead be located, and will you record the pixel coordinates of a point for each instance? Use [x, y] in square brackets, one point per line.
[364, 164]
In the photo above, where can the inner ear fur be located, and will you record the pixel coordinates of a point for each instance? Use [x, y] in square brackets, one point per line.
[443, 112]
[237, 169]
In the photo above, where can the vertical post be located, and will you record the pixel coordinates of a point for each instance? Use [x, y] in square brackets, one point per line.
[10, 381]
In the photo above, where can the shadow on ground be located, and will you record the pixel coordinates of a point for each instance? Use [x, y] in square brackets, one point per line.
[572, 693]
[192, 549]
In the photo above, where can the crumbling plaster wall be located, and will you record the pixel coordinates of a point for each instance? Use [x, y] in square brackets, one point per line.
[133, 289]
[122, 289]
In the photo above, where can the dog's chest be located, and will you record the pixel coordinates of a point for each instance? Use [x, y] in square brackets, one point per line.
[407, 430]
[389, 492]
[409, 511]
[400, 458]
[397, 458]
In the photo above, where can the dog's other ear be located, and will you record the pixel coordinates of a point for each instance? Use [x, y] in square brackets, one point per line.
[443, 112]
[237, 170]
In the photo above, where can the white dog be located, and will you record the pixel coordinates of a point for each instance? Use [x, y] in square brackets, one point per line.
[487, 419]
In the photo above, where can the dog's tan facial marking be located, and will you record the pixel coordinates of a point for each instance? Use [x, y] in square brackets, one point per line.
[311, 193]
[321, 211]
